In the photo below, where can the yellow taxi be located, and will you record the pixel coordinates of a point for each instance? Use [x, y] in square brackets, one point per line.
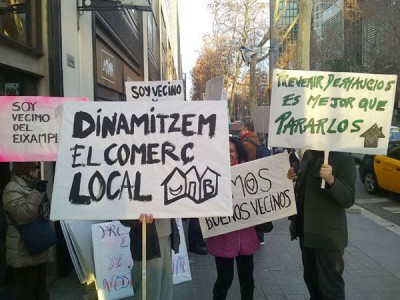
[382, 171]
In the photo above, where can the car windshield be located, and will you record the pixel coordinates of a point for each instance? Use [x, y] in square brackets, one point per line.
[394, 136]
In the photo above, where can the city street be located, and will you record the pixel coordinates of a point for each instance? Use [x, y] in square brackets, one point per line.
[384, 204]
[372, 260]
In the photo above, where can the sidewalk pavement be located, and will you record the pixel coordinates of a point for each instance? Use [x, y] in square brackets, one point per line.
[372, 266]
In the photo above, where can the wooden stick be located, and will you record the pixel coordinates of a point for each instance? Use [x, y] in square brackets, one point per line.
[41, 170]
[326, 156]
[144, 289]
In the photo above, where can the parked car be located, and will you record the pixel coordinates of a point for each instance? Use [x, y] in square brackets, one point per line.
[382, 171]
[394, 136]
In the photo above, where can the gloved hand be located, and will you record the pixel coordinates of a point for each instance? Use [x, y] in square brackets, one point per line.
[41, 186]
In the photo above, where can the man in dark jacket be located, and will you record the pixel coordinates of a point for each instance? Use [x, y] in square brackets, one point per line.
[249, 139]
[321, 220]
[161, 236]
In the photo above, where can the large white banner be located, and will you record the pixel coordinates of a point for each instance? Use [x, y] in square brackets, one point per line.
[261, 192]
[154, 90]
[117, 160]
[29, 127]
[347, 112]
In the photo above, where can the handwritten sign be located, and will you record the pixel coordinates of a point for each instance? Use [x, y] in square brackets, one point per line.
[154, 90]
[347, 112]
[261, 192]
[214, 88]
[116, 161]
[180, 261]
[112, 259]
[29, 127]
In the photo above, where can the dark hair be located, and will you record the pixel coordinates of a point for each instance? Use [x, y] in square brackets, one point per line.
[23, 168]
[249, 126]
[240, 149]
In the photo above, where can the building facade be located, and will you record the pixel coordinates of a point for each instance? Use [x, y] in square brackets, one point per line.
[358, 36]
[82, 49]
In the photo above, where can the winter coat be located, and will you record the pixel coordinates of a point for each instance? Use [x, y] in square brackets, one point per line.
[233, 244]
[324, 211]
[249, 146]
[22, 203]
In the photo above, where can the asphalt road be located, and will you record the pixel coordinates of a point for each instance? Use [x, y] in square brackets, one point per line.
[384, 204]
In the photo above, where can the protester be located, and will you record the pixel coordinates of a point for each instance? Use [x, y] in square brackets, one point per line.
[161, 236]
[239, 244]
[23, 200]
[195, 237]
[321, 220]
[250, 141]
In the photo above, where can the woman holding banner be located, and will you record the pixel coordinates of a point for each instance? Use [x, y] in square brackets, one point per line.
[23, 200]
[240, 244]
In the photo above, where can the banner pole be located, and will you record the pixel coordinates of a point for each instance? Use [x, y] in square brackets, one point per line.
[41, 170]
[326, 156]
[144, 289]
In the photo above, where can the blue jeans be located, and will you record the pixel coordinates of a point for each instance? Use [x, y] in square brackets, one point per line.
[323, 271]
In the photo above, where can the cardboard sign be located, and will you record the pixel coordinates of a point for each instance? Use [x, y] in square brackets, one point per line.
[29, 127]
[214, 88]
[261, 118]
[261, 192]
[348, 112]
[154, 90]
[112, 259]
[180, 261]
[165, 158]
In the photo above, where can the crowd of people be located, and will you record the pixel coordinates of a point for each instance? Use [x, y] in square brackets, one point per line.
[320, 226]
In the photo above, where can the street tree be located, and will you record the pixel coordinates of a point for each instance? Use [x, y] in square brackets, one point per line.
[235, 23]
[275, 35]
[213, 60]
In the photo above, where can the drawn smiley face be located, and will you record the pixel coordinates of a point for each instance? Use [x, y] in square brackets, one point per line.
[175, 192]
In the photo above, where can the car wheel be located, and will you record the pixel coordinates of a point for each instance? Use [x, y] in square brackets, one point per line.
[371, 185]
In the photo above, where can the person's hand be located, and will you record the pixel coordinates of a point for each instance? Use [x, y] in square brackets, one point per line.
[146, 218]
[291, 174]
[41, 186]
[326, 174]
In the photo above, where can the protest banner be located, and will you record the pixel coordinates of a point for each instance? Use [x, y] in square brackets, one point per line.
[348, 112]
[180, 261]
[165, 158]
[215, 89]
[154, 90]
[260, 116]
[29, 128]
[112, 260]
[261, 192]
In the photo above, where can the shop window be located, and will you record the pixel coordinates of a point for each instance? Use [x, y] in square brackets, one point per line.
[19, 21]
[13, 83]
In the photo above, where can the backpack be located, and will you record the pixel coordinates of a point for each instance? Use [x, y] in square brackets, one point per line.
[262, 150]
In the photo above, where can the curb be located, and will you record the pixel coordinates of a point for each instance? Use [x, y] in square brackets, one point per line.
[354, 210]
[384, 223]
